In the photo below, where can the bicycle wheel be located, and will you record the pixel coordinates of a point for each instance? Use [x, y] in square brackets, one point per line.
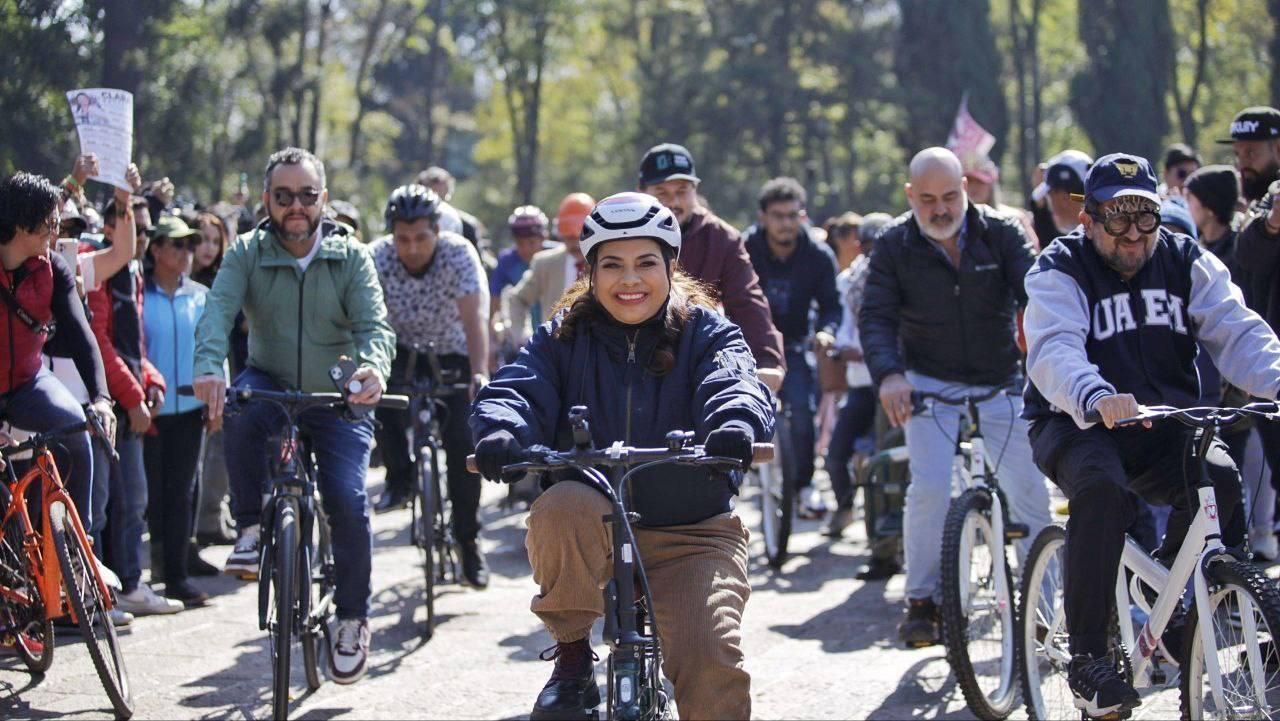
[1244, 613]
[1043, 653]
[80, 579]
[977, 621]
[426, 535]
[283, 588]
[777, 495]
[30, 633]
[315, 638]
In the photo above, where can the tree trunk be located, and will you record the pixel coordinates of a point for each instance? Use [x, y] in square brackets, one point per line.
[430, 93]
[1186, 107]
[122, 22]
[296, 76]
[362, 72]
[1273, 47]
[317, 82]
[1033, 55]
[1020, 77]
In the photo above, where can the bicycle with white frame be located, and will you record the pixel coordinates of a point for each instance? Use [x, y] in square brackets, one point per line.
[1231, 666]
[977, 586]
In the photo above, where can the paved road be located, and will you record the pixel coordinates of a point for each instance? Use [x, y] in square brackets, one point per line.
[817, 643]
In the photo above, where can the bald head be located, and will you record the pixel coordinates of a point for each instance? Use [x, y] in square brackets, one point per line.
[935, 160]
[937, 193]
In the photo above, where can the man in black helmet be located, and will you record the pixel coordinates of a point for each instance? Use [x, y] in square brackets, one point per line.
[435, 292]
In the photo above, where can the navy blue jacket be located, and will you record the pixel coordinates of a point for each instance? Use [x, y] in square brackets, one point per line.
[793, 286]
[1090, 333]
[712, 384]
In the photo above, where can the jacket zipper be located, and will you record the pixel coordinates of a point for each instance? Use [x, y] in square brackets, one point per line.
[302, 289]
[631, 359]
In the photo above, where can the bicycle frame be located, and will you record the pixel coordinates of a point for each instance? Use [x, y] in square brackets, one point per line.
[1202, 544]
[48, 576]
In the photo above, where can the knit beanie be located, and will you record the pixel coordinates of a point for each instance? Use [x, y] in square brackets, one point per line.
[1217, 187]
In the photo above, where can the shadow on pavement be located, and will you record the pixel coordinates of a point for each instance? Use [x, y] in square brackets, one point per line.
[924, 691]
[833, 629]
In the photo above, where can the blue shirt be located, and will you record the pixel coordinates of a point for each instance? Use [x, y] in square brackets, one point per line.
[170, 326]
[510, 269]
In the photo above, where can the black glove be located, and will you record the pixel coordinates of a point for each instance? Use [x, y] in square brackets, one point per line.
[733, 441]
[496, 450]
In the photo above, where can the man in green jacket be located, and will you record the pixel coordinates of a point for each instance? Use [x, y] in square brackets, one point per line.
[310, 295]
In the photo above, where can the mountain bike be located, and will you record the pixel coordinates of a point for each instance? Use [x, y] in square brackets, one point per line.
[977, 588]
[1228, 666]
[296, 576]
[48, 570]
[634, 665]
[430, 529]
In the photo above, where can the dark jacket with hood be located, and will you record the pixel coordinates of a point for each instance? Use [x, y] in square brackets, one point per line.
[712, 384]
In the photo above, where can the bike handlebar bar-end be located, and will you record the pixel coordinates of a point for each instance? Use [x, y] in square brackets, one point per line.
[761, 452]
[397, 403]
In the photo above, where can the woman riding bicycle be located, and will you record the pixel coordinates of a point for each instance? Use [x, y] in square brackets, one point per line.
[636, 342]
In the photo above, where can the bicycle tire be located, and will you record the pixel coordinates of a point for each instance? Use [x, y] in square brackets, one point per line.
[309, 632]
[426, 499]
[315, 641]
[34, 643]
[969, 513]
[283, 582]
[91, 610]
[777, 496]
[1236, 577]
[1043, 571]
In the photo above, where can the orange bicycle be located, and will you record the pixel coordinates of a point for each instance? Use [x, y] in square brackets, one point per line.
[35, 588]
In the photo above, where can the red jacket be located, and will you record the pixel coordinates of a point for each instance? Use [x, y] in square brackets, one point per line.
[712, 251]
[32, 285]
[124, 387]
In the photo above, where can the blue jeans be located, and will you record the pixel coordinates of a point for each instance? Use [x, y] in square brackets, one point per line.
[128, 511]
[342, 453]
[798, 395]
[857, 415]
[43, 404]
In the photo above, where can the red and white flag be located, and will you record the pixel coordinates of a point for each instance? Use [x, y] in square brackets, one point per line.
[968, 140]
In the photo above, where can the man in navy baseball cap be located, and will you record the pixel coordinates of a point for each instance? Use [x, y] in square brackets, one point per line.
[1122, 211]
[1255, 140]
[664, 162]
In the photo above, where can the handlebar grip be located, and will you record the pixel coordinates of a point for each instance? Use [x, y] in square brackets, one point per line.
[471, 465]
[1092, 416]
[186, 390]
[398, 403]
[761, 452]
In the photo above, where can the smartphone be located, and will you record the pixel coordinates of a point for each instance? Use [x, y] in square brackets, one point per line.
[341, 374]
[69, 248]
[97, 240]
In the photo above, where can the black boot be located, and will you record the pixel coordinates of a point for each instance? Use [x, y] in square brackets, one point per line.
[572, 690]
[197, 566]
[474, 568]
[391, 500]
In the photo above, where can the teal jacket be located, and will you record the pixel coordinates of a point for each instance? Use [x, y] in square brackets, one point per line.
[170, 326]
[299, 323]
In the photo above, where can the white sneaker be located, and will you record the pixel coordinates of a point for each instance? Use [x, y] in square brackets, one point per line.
[349, 654]
[814, 506]
[120, 618]
[109, 577]
[243, 561]
[142, 601]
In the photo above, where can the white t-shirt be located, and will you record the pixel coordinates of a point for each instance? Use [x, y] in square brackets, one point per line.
[305, 260]
[425, 309]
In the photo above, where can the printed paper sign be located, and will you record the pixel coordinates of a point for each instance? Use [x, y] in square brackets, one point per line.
[104, 122]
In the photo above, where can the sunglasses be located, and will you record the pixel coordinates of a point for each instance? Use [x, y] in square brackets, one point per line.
[284, 197]
[1118, 224]
[179, 243]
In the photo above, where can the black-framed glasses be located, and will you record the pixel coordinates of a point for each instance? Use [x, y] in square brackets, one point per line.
[1118, 224]
[284, 197]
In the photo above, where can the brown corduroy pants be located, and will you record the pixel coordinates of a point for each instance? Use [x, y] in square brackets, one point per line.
[697, 575]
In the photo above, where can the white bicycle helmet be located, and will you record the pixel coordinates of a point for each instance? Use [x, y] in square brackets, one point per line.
[630, 215]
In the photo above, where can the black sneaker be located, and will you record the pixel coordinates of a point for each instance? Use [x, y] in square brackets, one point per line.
[572, 690]
[1098, 688]
[189, 595]
[878, 569]
[475, 570]
[197, 566]
[920, 627]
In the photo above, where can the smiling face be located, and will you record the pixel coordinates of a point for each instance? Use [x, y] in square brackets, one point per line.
[1126, 253]
[629, 278]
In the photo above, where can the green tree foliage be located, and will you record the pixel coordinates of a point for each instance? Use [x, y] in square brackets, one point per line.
[1120, 96]
[947, 50]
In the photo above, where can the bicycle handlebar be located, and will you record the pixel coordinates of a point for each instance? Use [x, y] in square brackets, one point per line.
[547, 459]
[920, 398]
[297, 399]
[41, 440]
[1196, 417]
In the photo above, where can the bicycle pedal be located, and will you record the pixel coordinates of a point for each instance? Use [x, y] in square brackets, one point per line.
[1015, 531]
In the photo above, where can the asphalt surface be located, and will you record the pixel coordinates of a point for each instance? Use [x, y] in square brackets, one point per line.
[819, 644]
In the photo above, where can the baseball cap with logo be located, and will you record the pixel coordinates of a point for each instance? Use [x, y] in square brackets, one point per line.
[1065, 171]
[1257, 123]
[1118, 175]
[667, 161]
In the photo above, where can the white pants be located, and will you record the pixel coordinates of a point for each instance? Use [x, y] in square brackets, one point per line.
[931, 440]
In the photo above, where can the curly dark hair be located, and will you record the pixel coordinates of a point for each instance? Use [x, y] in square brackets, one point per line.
[292, 156]
[26, 200]
[581, 306]
[781, 190]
